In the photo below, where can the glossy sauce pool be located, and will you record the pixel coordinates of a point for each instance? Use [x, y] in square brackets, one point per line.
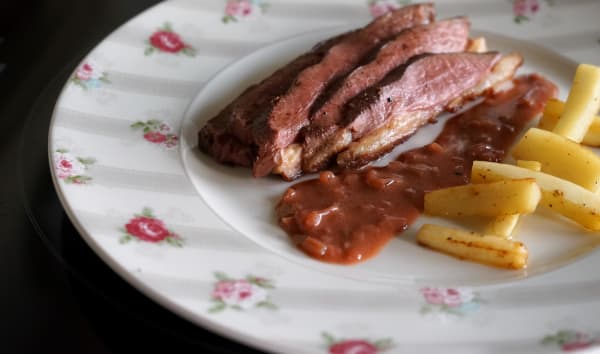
[349, 217]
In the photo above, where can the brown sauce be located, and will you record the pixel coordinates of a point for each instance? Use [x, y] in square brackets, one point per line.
[349, 217]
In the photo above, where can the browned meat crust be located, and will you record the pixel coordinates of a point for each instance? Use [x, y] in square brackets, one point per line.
[354, 97]
[228, 136]
[355, 152]
[440, 37]
[276, 129]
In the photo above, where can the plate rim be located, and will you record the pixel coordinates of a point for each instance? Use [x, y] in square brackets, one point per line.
[110, 260]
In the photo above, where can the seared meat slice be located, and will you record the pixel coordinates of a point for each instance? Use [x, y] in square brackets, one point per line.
[216, 140]
[424, 82]
[427, 83]
[228, 136]
[401, 126]
[440, 37]
[414, 93]
[278, 127]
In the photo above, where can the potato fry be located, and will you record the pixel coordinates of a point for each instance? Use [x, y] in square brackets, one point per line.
[491, 250]
[505, 225]
[552, 113]
[582, 105]
[560, 157]
[530, 165]
[494, 199]
[566, 198]
[502, 226]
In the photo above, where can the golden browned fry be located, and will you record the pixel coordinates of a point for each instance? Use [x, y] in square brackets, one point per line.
[562, 196]
[560, 157]
[505, 225]
[553, 111]
[582, 105]
[502, 226]
[471, 246]
[530, 165]
[505, 197]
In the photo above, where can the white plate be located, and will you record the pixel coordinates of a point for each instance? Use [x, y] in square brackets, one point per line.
[255, 288]
[247, 204]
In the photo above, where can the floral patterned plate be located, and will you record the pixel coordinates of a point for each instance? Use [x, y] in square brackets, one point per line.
[115, 154]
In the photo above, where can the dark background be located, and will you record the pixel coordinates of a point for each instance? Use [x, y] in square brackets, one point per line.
[56, 296]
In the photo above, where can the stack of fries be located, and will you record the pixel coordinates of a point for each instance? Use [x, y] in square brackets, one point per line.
[552, 169]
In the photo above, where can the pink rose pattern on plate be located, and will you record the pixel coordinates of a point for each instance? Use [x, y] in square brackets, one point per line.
[70, 168]
[236, 10]
[355, 346]
[165, 40]
[157, 132]
[570, 340]
[381, 7]
[452, 301]
[524, 10]
[146, 227]
[241, 294]
[89, 75]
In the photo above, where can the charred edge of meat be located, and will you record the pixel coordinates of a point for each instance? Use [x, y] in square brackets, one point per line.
[290, 113]
[232, 126]
[226, 149]
[450, 35]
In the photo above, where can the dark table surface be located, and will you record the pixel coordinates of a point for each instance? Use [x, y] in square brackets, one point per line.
[57, 296]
